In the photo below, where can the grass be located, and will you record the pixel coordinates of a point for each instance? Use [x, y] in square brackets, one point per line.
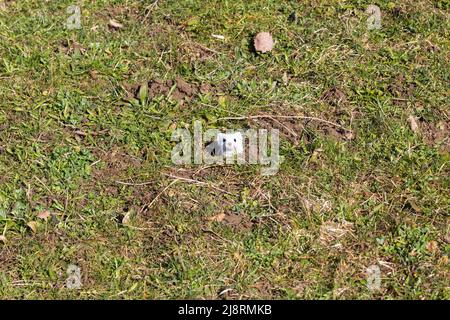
[77, 142]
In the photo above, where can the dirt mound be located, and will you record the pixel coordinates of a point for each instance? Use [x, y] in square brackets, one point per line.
[181, 91]
[436, 134]
[334, 96]
[178, 89]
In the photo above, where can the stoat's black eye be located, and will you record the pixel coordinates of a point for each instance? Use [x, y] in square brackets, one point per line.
[224, 140]
[234, 140]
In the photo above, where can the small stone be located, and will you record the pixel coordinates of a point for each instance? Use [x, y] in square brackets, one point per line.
[413, 124]
[263, 42]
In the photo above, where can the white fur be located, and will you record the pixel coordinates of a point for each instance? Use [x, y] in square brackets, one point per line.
[230, 144]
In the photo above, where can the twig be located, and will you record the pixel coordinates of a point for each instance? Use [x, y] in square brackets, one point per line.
[284, 126]
[197, 182]
[285, 117]
[157, 196]
[134, 184]
[150, 9]
[218, 236]
[95, 162]
[205, 48]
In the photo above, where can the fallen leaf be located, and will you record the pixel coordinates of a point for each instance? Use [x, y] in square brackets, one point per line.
[44, 215]
[126, 219]
[115, 24]
[218, 217]
[3, 238]
[432, 246]
[413, 124]
[285, 79]
[93, 74]
[32, 225]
